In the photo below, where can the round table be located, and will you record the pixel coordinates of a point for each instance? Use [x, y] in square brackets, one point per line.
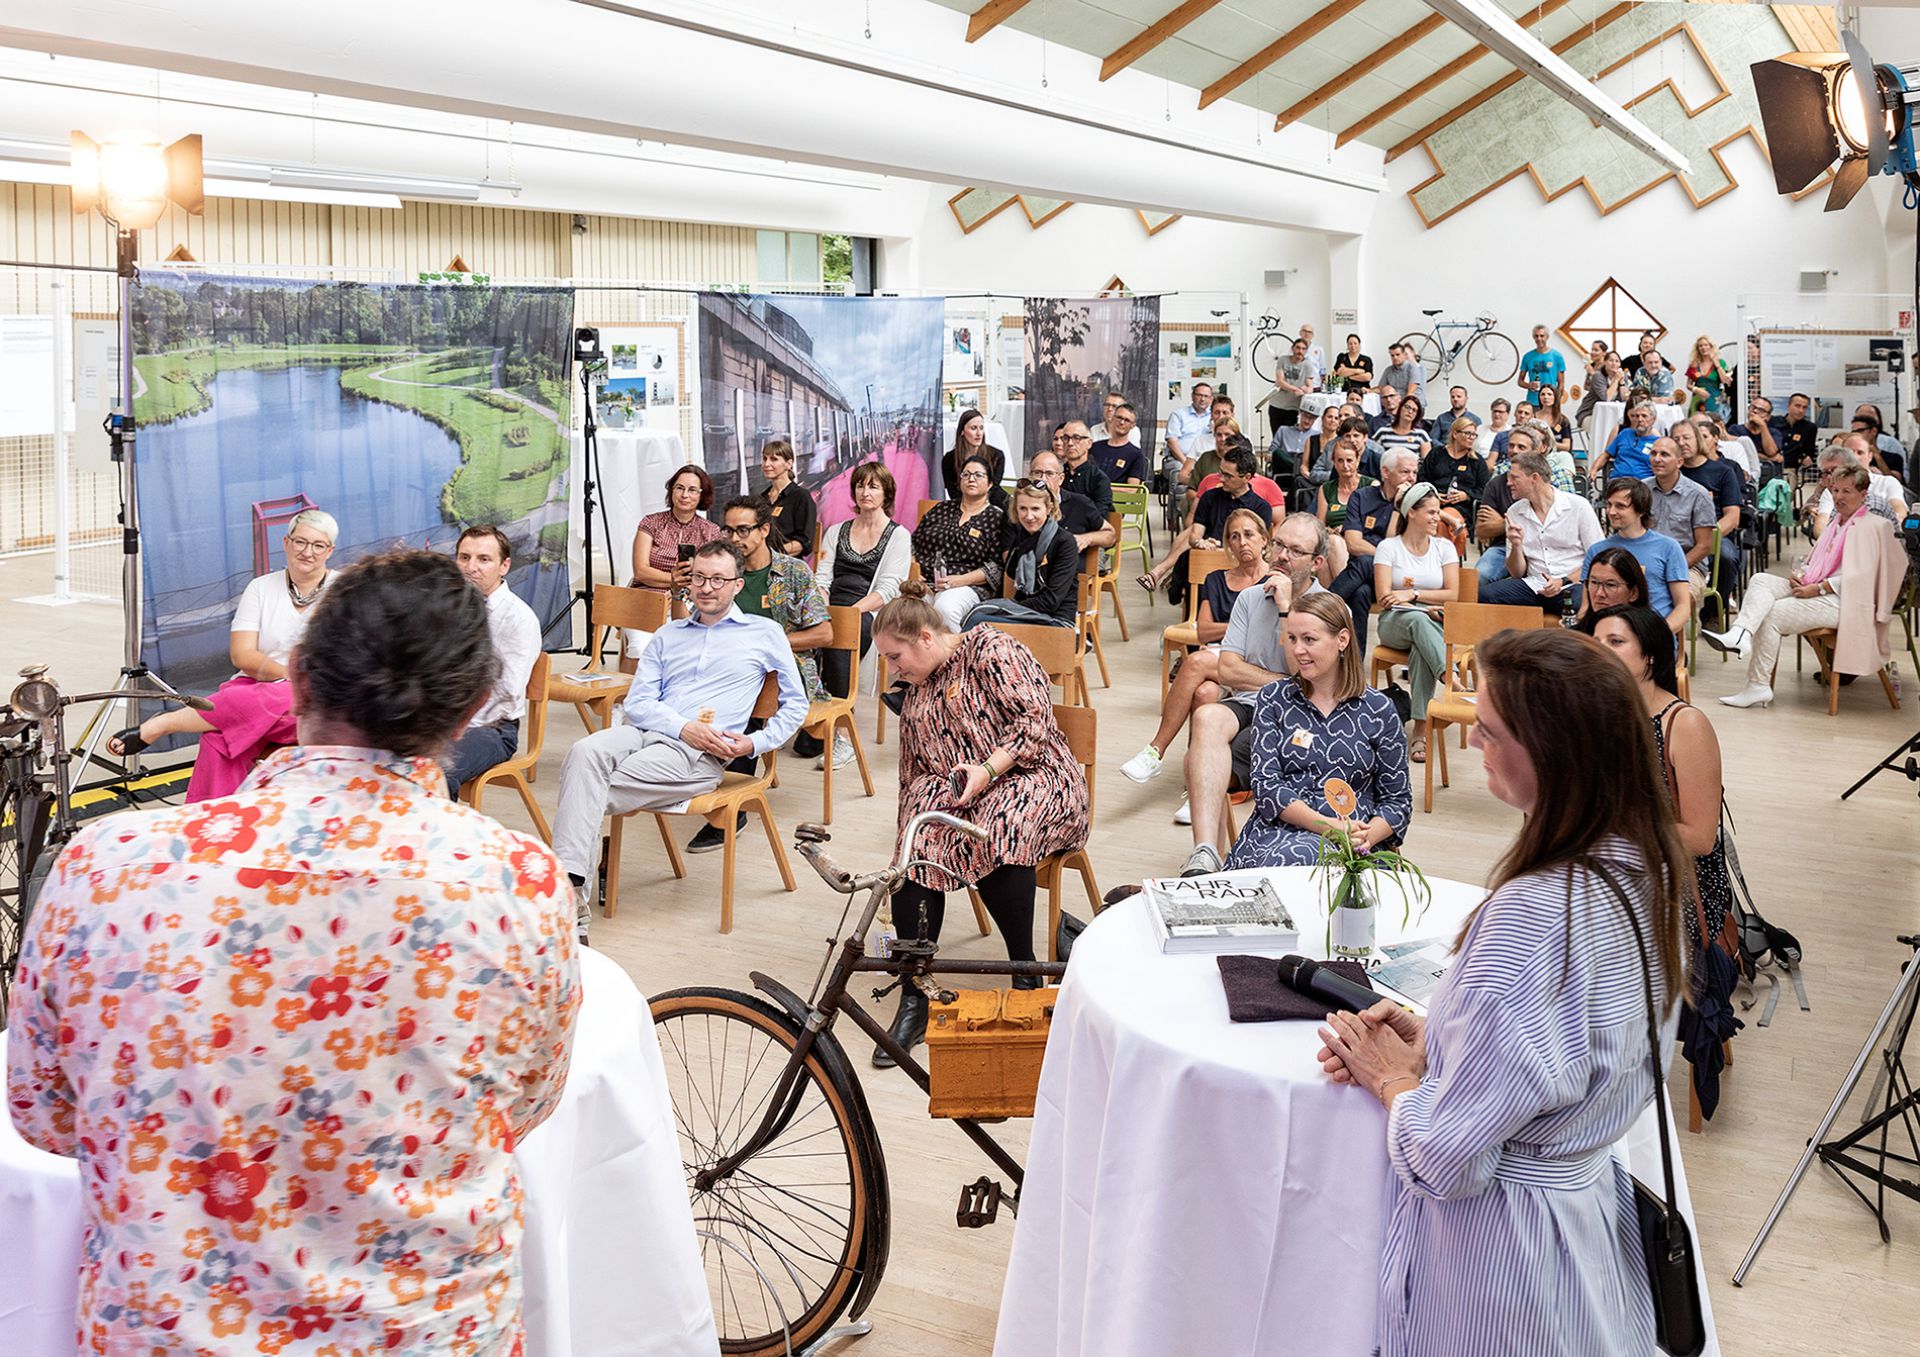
[611, 1265]
[1317, 403]
[1197, 1185]
[1607, 417]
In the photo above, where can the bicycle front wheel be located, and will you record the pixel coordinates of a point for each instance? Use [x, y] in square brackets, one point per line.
[1426, 351]
[1268, 350]
[1493, 358]
[781, 1236]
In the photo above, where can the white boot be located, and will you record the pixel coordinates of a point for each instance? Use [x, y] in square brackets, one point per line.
[1753, 695]
[1735, 640]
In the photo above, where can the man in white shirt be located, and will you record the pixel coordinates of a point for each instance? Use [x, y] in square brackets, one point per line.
[1884, 494]
[493, 733]
[1189, 433]
[1548, 534]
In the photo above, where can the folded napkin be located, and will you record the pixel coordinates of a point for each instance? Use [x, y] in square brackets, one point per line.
[1255, 994]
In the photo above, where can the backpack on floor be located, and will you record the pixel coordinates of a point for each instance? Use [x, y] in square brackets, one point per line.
[1764, 948]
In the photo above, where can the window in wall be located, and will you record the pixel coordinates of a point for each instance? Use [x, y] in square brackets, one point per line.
[793, 257]
[1614, 315]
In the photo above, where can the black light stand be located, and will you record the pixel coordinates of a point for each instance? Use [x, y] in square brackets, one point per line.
[588, 358]
[1892, 764]
[1864, 1151]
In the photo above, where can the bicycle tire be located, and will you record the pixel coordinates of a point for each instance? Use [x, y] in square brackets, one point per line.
[1493, 358]
[1426, 352]
[764, 1258]
[1266, 352]
[23, 867]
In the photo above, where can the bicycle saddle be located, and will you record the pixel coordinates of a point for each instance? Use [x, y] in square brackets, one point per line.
[808, 832]
[1436, 311]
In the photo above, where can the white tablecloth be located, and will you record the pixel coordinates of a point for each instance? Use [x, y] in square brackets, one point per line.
[1196, 1185]
[612, 1266]
[1011, 418]
[1317, 403]
[1606, 418]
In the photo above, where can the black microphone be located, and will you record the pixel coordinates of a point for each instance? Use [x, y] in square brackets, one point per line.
[1331, 988]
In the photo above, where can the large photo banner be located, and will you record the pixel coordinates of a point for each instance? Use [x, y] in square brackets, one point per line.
[406, 412]
[1079, 351]
[845, 380]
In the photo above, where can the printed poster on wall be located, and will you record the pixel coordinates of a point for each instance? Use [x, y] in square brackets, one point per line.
[1078, 351]
[641, 385]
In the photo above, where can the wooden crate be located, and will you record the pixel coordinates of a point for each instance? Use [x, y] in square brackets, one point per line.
[984, 1051]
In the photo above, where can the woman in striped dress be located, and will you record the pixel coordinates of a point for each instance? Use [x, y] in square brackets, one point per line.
[1513, 1227]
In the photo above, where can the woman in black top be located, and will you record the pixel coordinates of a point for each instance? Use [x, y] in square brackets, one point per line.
[1042, 561]
[1354, 368]
[794, 512]
[1460, 474]
[970, 440]
[1549, 414]
[957, 544]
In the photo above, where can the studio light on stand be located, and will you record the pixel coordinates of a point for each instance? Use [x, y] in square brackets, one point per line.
[130, 182]
[591, 362]
[1850, 115]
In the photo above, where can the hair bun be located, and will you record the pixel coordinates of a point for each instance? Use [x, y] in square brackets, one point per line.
[919, 589]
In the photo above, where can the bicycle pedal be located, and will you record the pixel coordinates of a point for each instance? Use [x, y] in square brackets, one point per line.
[979, 1204]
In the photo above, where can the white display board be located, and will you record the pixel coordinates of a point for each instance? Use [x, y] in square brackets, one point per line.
[27, 401]
[645, 382]
[1845, 369]
[96, 389]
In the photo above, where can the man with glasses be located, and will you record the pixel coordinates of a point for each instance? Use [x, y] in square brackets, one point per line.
[1083, 476]
[1209, 517]
[687, 712]
[1105, 431]
[778, 587]
[493, 733]
[1783, 441]
[1078, 514]
[1118, 456]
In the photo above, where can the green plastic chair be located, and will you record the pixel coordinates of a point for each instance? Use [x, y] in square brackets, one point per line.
[1132, 503]
[1712, 591]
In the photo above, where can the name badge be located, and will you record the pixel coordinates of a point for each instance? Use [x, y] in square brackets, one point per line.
[1407, 580]
[973, 532]
[1301, 739]
[1372, 519]
[766, 601]
[953, 692]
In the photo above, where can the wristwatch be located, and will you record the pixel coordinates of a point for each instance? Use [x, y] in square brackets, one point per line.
[1415, 598]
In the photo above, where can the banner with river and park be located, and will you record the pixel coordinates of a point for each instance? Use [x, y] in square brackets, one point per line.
[407, 412]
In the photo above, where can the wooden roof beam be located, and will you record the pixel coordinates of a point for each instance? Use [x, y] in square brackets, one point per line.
[1426, 28]
[1431, 83]
[1506, 82]
[1272, 52]
[991, 15]
[1156, 33]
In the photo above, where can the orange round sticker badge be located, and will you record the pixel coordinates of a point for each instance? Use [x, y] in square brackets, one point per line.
[1340, 796]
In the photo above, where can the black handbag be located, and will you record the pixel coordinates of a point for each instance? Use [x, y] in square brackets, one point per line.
[1665, 1239]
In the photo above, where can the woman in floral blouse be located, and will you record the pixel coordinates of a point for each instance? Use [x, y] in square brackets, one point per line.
[293, 1035]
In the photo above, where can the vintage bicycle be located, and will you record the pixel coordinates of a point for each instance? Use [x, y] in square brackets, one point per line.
[783, 1158]
[1271, 343]
[1491, 357]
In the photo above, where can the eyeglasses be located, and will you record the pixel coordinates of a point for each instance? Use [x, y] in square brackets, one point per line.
[1076, 438]
[973, 475]
[1037, 481]
[740, 529]
[700, 581]
[1295, 553]
[307, 546]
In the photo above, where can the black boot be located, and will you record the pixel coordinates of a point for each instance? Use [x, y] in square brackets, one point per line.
[909, 1025]
[1029, 981]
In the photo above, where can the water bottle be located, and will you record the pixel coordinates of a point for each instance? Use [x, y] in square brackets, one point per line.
[939, 572]
[1567, 618]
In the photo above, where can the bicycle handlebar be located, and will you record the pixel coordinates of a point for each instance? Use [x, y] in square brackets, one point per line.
[839, 879]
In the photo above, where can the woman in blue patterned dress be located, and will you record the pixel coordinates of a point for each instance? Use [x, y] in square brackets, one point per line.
[1322, 722]
[1512, 1228]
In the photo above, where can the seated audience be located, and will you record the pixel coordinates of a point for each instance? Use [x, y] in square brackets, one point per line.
[1657, 380]
[970, 440]
[1456, 407]
[1021, 782]
[1407, 429]
[1187, 426]
[663, 543]
[1849, 583]
[1491, 441]
[687, 715]
[492, 735]
[1548, 533]
[795, 516]
[1700, 463]
[1887, 456]
[1460, 476]
[1353, 733]
[1081, 474]
[1414, 575]
[245, 1181]
[1532, 1058]
[1041, 560]
[957, 544]
[1610, 382]
[1209, 516]
[1789, 439]
[1665, 584]
[1550, 414]
[1490, 517]
[1118, 455]
[1682, 510]
[1103, 431]
[784, 590]
[1614, 579]
[252, 711]
[1736, 451]
[863, 562]
[1389, 411]
[1297, 449]
[1403, 375]
[1207, 462]
[1246, 541]
[1252, 654]
[1593, 383]
[1371, 518]
[1626, 455]
[1078, 514]
[1339, 488]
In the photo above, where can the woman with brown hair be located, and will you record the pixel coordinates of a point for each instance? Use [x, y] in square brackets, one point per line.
[1322, 722]
[795, 515]
[970, 440]
[957, 543]
[863, 562]
[1512, 1225]
[1043, 561]
[977, 708]
[658, 561]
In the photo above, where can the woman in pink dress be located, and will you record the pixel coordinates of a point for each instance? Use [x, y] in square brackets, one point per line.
[252, 712]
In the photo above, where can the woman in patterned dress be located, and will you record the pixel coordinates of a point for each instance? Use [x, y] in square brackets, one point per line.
[658, 539]
[1321, 722]
[1512, 1226]
[957, 544]
[977, 703]
[292, 1035]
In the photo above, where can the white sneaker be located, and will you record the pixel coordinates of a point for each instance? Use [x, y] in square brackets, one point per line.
[842, 750]
[1142, 767]
[1734, 641]
[1184, 816]
[1204, 860]
[1753, 695]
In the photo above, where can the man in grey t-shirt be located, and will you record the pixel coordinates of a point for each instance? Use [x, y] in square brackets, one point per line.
[1404, 373]
[1252, 655]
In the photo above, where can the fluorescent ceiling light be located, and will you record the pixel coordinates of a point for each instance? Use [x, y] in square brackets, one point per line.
[276, 193]
[1495, 28]
[33, 172]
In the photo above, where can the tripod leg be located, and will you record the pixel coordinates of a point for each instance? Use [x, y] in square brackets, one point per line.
[1902, 993]
[1911, 745]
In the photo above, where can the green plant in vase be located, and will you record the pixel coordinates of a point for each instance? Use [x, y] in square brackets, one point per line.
[1352, 899]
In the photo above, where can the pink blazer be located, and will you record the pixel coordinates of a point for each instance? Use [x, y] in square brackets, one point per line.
[1871, 573]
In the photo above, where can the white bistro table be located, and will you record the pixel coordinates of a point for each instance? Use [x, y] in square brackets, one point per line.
[611, 1263]
[1607, 416]
[1196, 1185]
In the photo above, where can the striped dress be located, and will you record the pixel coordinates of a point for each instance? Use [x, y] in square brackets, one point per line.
[1512, 1226]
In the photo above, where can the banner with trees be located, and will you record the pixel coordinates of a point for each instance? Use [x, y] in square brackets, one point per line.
[1078, 351]
[406, 412]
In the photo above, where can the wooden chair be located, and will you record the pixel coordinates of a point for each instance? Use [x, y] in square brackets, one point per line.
[1108, 582]
[1823, 641]
[1088, 614]
[826, 716]
[1466, 625]
[1184, 636]
[1081, 727]
[1385, 659]
[722, 807]
[1058, 651]
[516, 770]
[614, 607]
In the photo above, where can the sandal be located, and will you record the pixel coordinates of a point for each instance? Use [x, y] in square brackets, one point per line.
[1146, 581]
[1417, 750]
[126, 744]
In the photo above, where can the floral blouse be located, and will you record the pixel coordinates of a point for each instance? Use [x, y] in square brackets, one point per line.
[292, 1037]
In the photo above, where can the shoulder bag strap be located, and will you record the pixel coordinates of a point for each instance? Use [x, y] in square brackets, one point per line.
[1653, 1034]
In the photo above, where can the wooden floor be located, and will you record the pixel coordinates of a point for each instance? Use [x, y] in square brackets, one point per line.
[1840, 875]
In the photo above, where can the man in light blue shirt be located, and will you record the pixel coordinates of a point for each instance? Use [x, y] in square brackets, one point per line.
[1540, 366]
[687, 711]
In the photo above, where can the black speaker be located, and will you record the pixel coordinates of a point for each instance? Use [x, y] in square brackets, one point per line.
[866, 265]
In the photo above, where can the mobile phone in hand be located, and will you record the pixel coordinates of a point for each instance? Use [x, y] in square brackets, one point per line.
[957, 782]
